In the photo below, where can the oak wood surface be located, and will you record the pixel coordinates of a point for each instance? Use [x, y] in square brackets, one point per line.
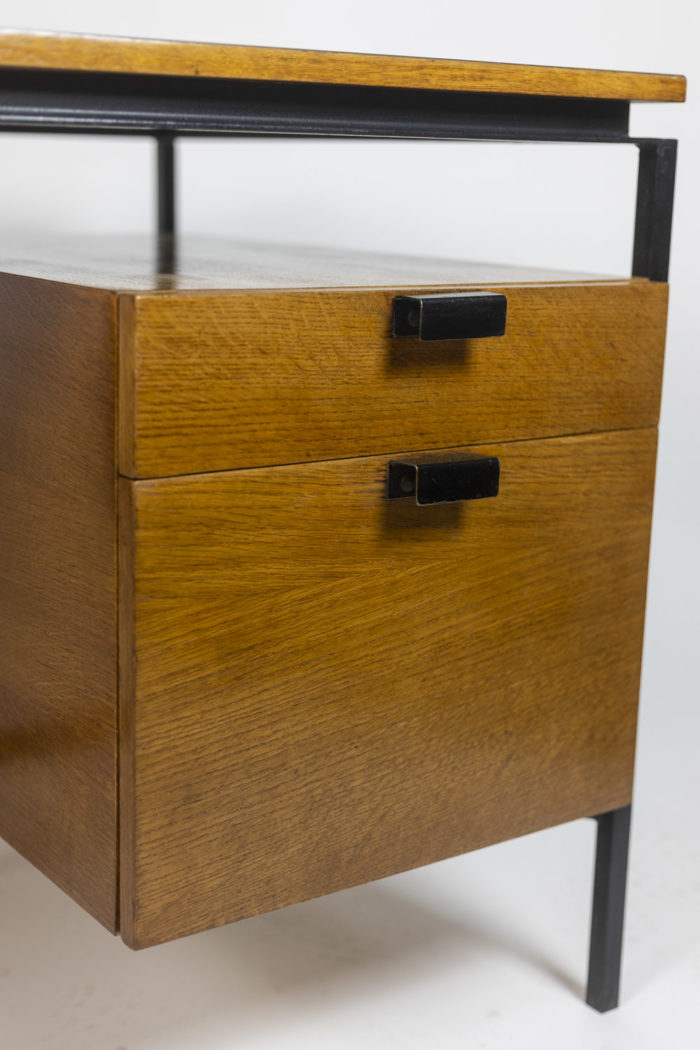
[321, 687]
[214, 382]
[40, 50]
[132, 263]
[58, 617]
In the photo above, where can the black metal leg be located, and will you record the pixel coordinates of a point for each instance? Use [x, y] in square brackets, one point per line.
[166, 183]
[608, 909]
[165, 145]
[652, 231]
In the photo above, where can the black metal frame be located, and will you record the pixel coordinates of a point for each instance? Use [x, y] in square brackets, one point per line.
[652, 231]
[127, 103]
[167, 106]
[653, 218]
[170, 106]
[608, 911]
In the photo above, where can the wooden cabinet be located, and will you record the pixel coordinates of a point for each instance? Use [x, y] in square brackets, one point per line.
[317, 685]
[235, 674]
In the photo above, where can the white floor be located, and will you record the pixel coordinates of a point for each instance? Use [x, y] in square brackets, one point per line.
[487, 950]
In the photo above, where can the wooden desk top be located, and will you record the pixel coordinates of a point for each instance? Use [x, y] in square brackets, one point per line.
[59, 51]
[126, 263]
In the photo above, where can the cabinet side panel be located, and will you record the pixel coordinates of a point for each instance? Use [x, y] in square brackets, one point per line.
[58, 645]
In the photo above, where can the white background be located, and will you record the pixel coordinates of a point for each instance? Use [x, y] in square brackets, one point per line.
[487, 950]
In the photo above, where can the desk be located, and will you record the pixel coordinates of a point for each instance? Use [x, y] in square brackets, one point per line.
[317, 566]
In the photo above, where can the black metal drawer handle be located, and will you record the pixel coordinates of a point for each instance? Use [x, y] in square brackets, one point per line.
[457, 315]
[444, 479]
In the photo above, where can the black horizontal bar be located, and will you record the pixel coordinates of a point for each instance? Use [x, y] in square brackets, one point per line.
[49, 100]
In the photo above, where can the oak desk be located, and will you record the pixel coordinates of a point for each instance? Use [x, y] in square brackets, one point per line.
[316, 566]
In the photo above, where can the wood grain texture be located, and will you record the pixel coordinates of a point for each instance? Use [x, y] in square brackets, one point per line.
[322, 687]
[217, 382]
[39, 50]
[121, 262]
[58, 617]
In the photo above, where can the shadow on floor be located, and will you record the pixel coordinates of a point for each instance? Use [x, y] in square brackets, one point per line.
[60, 971]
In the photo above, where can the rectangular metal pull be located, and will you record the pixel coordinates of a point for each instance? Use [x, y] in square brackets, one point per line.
[453, 315]
[443, 479]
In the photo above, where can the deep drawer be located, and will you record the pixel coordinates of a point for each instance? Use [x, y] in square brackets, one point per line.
[320, 686]
[238, 379]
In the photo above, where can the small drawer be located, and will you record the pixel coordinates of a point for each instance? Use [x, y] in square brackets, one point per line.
[321, 685]
[214, 381]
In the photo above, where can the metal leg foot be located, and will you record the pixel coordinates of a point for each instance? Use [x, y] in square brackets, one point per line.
[608, 909]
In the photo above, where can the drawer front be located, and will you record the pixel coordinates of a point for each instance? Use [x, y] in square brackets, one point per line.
[220, 381]
[322, 686]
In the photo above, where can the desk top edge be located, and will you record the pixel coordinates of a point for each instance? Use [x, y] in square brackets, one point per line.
[103, 54]
[141, 264]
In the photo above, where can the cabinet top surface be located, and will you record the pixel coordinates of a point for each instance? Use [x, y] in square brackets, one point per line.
[59, 51]
[142, 264]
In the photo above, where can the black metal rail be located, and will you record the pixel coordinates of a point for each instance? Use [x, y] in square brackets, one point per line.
[48, 100]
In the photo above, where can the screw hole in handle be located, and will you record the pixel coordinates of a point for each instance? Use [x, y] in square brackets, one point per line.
[443, 479]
